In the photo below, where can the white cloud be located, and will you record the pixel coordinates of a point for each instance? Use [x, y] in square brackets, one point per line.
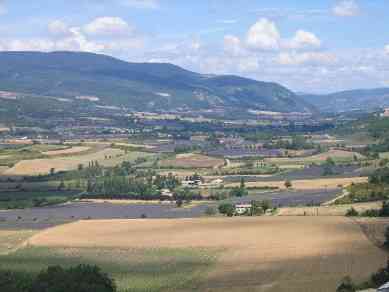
[144, 4]
[59, 28]
[304, 39]
[108, 26]
[346, 8]
[263, 35]
[233, 45]
[387, 50]
[286, 58]
[228, 21]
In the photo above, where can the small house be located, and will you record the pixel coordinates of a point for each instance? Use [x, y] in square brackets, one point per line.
[241, 209]
[166, 193]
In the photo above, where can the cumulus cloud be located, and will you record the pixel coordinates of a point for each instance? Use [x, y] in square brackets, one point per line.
[108, 26]
[346, 8]
[304, 39]
[263, 35]
[145, 4]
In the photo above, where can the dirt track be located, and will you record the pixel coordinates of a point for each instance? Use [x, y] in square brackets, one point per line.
[260, 254]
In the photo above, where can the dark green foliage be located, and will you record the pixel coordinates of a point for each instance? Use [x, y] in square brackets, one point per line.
[227, 209]
[346, 285]
[352, 212]
[380, 176]
[14, 282]
[210, 211]
[82, 278]
[381, 277]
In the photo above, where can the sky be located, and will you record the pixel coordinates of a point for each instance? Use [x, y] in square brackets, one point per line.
[316, 46]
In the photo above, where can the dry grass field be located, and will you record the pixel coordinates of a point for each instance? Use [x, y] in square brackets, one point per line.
[12, 239]
[192, 161]
[308, 184]
[256, 254]
[68, 151]
[332, 210]
[106, 157]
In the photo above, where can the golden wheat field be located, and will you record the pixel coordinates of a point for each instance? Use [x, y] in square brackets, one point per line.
[258, 254]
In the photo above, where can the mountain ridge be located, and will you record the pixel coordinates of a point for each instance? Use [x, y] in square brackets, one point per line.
[138, 86]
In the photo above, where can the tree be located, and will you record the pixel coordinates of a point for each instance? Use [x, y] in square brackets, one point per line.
[227, 209]
[288, 184]
[83, 278]
[80, 167]
[346, 285]
[52, 171]
[352, 212]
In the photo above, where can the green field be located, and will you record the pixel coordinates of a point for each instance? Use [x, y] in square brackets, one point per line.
[141, 270]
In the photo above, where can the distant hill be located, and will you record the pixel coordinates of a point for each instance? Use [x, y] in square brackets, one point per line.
[360, 99]
[140, 86]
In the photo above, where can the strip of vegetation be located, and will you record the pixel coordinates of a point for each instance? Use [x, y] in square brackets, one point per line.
[55, 278]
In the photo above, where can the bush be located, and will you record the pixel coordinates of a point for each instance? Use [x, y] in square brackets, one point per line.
[352, 212]
[83, 278]
[227, 209]
[346, 285]
[210, 211]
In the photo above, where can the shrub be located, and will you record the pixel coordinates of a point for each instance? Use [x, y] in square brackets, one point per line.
[210, 211]
[288, 184]
[227, 209]
[346, 285]
[352, 212]
[83, 278]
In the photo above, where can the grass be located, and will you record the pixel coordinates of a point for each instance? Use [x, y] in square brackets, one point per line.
[11, 239]
[338, 156]
[332, 210]
[137, 270]
[28, 199]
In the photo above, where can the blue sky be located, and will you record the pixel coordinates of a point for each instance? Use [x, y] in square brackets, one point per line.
[311, 46]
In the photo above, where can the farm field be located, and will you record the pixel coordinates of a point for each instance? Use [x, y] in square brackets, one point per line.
[68, 151]
[106, 157]
[192, 161]
[332, 210]
[252, 254]
[308, 184]
[336, 155]
[12, 239]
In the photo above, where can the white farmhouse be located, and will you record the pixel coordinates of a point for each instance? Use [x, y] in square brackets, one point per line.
[241, 209]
